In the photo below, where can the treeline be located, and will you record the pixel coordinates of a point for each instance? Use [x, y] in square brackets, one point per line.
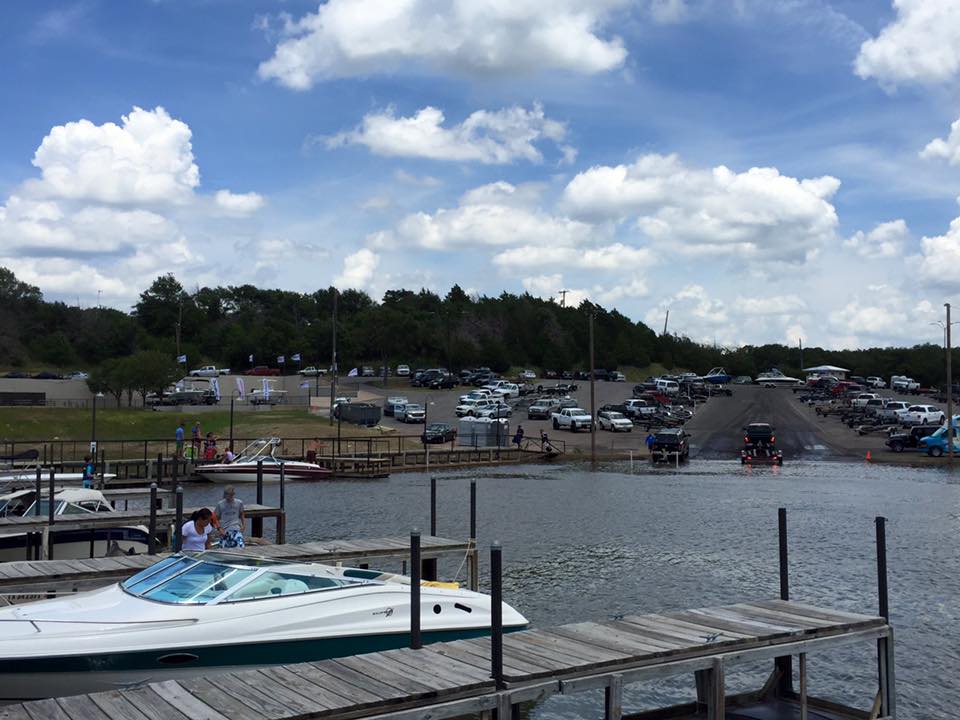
[226, 325]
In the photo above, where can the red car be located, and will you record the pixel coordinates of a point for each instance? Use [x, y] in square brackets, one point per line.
[264, 370]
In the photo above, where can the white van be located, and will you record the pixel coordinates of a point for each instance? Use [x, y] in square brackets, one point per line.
[668, 387]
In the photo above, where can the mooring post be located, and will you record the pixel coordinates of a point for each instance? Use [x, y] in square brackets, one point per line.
[175, 475]
[159, 469]
[103, 468]
[36, 505]
[474, 569]
[283, 477]
[178, 522]
[885, 668]
[257, 522]
[152, 538]
[784, 664]
[50, 517]
[415, 641]
[430, 566]
[496, 614]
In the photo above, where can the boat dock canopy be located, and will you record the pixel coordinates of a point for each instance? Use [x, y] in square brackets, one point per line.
[454, 678]
[827, 370]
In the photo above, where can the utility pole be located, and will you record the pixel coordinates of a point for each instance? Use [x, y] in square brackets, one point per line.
[949, 394]
[593, 402]
[665, 321]
[563, 297]
[333, 359]
[800, 340]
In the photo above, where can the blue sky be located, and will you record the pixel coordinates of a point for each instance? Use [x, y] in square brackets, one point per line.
[768, 170]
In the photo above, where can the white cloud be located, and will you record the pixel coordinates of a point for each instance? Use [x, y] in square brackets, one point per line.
[491, 215]
[359, 270]
[773, 305]
[617, 291]
[757, 215]
[549, 287]
[886, 240]
[346, 38]
[146, 159]
[238, 203]
[922, 45]
[610, 258]
[667, 12]
[940, 258]
[884, 315]
[945, 148]
[490, 137]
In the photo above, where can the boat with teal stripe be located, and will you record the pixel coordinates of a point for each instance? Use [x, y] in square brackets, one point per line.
[202, 613]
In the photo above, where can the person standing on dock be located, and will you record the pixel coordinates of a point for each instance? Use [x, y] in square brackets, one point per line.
[196, 531]
[88, 472]
[195, 433]
[230, 520]
[179, 436]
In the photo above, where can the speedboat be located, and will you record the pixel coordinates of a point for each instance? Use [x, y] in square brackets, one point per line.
[22, 470]
[69, 544]
[244, 467]
[204, 613]
[717, 376]
[775, 378]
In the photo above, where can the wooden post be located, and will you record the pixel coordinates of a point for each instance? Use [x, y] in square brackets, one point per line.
[474, 564]
[152, 538]
[51, 504]
[257, 523]
[804, 713]
[178, 523]
[784, 664]
[159, 469]
[496, 615]
[415, 640]
[430, 566]
[717, 706]
[39, 491]
[613, 698]
[283, 475]
[884, 645]
[103, 468]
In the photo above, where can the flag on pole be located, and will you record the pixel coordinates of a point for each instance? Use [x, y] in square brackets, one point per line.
[215, 386]
[240, 388]
[305, 384]
[280, 359]
[353, 373]
[182, 359]
[250, 359]
[295, 358]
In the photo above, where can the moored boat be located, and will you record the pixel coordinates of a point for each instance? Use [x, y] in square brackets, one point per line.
[245, 466]
[203, 613]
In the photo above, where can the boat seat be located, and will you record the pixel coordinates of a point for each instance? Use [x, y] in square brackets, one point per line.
[293, 586]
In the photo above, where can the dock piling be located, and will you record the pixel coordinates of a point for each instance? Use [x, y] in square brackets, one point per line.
[36, 505]
[178, 522]
[152, 528]
[473, 558]
[415, 640]
[257, 523]
[433, 506]
[283, 478]
[784, 664]
[175, 476]
[885, 669]
[496, 614]
[50, 516]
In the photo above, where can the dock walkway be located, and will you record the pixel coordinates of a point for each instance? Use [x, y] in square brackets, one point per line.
[451, 679]
[59, 576]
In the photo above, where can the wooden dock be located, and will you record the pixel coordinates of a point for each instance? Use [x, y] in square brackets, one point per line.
[454, 679]
[42, 577]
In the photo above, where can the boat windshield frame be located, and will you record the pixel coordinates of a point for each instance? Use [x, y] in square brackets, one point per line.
[153, 579]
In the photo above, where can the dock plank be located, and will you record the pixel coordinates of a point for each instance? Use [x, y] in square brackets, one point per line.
[154, 706]
[81, 707]
[388, 673]
[601, 636]
[174, 693]
[347, 677]
[479, 656]
[303, 686]
[464, 675]
[117, 706]
[237, 706]
[46, 710]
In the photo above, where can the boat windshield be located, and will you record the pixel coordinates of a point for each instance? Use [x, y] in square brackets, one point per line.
[217, 577]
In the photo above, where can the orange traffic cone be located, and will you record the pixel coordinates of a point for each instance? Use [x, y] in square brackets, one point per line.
[868, 456]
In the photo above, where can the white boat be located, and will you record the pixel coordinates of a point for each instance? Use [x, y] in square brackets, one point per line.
[204, 613]
[69, 544]
[22, 471]
[244, 467]
[775, 378]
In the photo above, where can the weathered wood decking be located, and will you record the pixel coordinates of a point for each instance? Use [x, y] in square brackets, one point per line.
[451, 679]
[41, 576]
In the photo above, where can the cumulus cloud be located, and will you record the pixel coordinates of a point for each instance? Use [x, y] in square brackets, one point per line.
[758, 214]
[238, 203]
[886, 240]
[497, 214]
[945, 148]
[549, 287]
[359, 270]
[940, 257]
[773, 305]
[922, 45]
[112, 200]
[883, 314]
[490, 137]
[611, 258]
[346, 38]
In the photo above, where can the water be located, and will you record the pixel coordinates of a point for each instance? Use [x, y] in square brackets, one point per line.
[581, 545]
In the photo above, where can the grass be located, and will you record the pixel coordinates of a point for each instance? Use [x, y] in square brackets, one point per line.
[19, 423]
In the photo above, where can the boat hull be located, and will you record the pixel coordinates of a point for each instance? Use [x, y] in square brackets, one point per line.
[76, 544]
[35, 678]
[271, 473]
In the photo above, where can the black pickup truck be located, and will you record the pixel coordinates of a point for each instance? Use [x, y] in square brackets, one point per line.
[900, 441]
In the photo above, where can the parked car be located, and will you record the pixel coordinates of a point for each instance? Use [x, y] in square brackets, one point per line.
[47, 375]
[935, 445]
[527, 375]
[403, 371]
[17, 375]
[875, 382]
[542, 409]
[209, 371]
[77, 375]
[312, 371]
[874, 406]
[507, 390]
[572, 419]
[670, 445]
[668, 387]
[367, 371]
[496, 409]
[902, 383]
[860, 400]
[923, 415]
[389, 406]
[472, 408]
[743, 380]
[476, 395]
[898, 442]
[264, 370]
[614, 421]
[443, 381]
[617, 377]
[438, 433]
[640, 406]
[893, 411]
[410, 413]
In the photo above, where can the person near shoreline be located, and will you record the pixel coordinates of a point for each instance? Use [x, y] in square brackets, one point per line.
[195, 533]
[179, 436]
[88, 472]
[518, 437]
[313, 447]
[649, 441]
[230, 519]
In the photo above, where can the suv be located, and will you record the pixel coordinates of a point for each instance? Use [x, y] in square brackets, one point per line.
[670, 444]
[614, 421]
[898, 442]
[391, 403]
[893, 411]
[410, 413]
[876, 382]
[758, 434]
[923, 415]
[403, 371]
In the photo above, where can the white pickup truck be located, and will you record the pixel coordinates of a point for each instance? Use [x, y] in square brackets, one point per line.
[209, 371]
[572, 419]
[902, 383]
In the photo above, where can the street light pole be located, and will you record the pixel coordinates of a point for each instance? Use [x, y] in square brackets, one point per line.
[949, 393]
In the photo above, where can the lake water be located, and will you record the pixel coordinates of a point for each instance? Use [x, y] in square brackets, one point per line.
[582, 545]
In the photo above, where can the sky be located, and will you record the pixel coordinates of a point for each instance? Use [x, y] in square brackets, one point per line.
[764, 170]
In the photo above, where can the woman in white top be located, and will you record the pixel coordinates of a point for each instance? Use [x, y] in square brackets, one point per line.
[195, 532]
